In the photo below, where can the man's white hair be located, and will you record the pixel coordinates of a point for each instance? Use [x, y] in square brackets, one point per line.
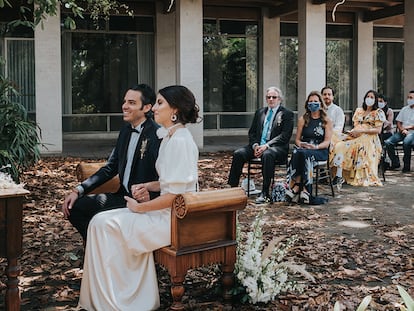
[275, 89]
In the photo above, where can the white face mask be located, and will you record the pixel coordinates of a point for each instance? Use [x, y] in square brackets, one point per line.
[410, 102]
[369, 101]
[381, 105]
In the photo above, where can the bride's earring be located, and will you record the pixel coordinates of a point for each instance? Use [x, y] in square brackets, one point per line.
[174, 117]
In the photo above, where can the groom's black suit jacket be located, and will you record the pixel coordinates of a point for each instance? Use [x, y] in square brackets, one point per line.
[143, 166]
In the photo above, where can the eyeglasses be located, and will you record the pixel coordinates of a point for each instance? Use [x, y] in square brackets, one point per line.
[272, 97]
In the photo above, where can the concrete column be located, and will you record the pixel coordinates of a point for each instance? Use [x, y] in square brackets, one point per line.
[189, 51]
[271, 53]
[49, 83]
[165, 48]
[365, 59]
[312, 49]
[408, 48]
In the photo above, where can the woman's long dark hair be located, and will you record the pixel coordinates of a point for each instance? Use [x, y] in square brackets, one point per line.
[375, 106]
[183, 100]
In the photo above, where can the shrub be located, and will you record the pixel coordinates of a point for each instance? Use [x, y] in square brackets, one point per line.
[19, 136]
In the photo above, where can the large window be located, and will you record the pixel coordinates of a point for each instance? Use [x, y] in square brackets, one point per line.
[338, 63]
[99, 66]
[389, 64]
[17, 49]
[20, 68]
[289, 71]
[230, 73]
[339, 71]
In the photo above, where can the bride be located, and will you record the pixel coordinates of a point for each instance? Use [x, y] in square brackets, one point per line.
[119, 270]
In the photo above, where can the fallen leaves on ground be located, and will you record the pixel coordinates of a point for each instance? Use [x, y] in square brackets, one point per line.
[347, 266]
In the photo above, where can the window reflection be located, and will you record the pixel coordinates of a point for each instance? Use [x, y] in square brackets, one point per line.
[230, 71]
[389, 75]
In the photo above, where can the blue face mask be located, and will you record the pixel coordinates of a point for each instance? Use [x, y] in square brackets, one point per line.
[314, 106]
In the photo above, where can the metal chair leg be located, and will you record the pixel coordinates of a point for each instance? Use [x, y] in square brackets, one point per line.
[248, 178]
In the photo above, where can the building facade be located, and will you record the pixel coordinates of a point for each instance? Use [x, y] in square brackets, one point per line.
[73, 81]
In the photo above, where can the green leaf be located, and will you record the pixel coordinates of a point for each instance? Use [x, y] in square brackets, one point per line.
[364, 304]
[71, 256]
[72, 24]
[409, 302]
[337, 306]
[3, 3]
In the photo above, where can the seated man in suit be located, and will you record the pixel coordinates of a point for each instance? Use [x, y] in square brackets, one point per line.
[269, 137]
[133, 159]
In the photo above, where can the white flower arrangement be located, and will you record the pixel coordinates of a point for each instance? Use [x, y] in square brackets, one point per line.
[260, 272]
[6, 182]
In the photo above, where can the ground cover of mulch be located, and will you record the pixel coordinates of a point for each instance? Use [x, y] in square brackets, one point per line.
[359, 244]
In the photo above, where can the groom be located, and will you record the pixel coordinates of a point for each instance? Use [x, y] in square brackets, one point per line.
[133, 158]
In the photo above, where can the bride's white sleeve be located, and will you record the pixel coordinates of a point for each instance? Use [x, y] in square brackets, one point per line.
[179, 174]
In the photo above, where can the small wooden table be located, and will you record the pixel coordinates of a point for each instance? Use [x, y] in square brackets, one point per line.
[11, 237]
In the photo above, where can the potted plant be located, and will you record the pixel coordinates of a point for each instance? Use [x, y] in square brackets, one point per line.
[19, 136]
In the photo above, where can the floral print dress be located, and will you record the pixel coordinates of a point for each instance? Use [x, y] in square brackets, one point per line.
[359, 157]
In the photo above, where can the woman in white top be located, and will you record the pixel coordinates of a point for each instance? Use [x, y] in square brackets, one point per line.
[119, 269]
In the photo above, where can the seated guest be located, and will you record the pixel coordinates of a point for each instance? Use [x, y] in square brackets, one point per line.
[356, 158]
[405, 133]
[312, 141]
[387, 128]
[334, 112]
[269, 136]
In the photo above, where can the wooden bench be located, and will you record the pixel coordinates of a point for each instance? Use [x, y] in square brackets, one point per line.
[203, 232]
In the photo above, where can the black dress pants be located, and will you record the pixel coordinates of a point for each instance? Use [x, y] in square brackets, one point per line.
[269, 158]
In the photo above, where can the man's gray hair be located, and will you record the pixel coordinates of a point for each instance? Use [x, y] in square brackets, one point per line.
[275, 89]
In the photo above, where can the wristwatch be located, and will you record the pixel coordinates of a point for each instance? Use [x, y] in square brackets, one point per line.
[79, 190]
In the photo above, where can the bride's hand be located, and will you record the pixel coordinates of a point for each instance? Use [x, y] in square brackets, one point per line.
[133, 205]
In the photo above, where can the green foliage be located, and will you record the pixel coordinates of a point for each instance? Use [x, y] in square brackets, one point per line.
[3, 3]
[33, 12]
[408, 301]
[19, 138]
[365, 303]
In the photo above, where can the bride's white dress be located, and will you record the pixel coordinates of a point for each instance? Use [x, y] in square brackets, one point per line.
[119, 270]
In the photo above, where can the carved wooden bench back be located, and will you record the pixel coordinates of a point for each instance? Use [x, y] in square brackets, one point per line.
[203, 231]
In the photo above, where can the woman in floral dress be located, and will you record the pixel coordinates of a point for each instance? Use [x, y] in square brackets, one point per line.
[356, 158]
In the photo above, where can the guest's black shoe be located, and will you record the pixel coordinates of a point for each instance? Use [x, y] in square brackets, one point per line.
[263, 198]
[304, 197]
[395, 166]
[406, 169]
